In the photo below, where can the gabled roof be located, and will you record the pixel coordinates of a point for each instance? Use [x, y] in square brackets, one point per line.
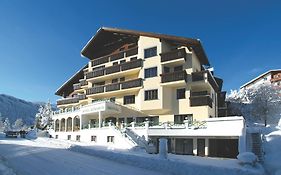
[106, 36]
[260, 76]
[67, 86]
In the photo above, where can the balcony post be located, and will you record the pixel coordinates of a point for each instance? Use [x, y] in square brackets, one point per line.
[100, 119]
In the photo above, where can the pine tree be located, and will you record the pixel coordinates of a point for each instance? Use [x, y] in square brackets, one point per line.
[7, 125]
[18, 125]
[44, 116]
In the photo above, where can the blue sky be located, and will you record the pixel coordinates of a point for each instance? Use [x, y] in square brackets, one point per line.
[40, 42]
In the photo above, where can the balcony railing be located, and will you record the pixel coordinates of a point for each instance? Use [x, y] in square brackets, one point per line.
[76, 86]
[81, 96]
[200, 76]
[112, 87]
[173, 55]
[132, 83]
[112, 69]
[115, 68]
[95, 90]
[173, 76]
[83, 82]
[201, 101]
[131, 65]
[67, 101]
[115, 86]
[116, 56]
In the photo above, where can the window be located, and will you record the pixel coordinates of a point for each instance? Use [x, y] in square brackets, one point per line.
[129, 99]
[93, 138]
[150, 72]
[68, 137]
[110, 139]
[78, 138]
[122, 61]
[181, 93]
[122, 79]
[98, 84]
[56, 136]
[98, 68]
[177, 68]
[179, 119]
[133, 58]
[122, 48]
[151, 94]
[151, 52]
[115, 63]
[114, 80]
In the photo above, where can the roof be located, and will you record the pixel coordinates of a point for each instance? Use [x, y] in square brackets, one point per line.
[260, 76]
[67, 86]
[106, 37]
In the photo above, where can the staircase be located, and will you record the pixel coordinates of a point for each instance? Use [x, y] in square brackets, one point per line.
[140, 141]
[256, 145]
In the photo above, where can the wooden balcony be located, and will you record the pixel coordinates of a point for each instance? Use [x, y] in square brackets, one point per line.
[95, 90]
[112, 69]
[69, 100]
[132, 83]
[173, 76]
[112, 87]
[202, 100]
[115, 87]
[131, 65]
[101, 60]
[205, 75]
[76, 86]
[173, 55]
[115, 68]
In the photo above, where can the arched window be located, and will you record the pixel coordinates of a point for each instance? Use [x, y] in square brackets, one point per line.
[76, 123]
[62, 125]
[57, 125]
[69, 124]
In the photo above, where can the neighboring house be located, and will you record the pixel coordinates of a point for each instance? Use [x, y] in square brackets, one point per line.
[270, 77]
[138, 87]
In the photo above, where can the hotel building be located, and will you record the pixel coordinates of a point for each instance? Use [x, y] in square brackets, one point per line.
[138, 87]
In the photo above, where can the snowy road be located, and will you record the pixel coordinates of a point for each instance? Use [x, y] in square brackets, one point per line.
[32, 158]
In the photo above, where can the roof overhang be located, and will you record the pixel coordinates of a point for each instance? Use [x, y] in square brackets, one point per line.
[112, 38]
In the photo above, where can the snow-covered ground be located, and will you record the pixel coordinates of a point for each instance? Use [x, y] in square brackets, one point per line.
[272, 148]
[49, 156]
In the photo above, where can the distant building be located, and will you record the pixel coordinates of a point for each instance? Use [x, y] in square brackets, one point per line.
[139, 87]
[270, 77]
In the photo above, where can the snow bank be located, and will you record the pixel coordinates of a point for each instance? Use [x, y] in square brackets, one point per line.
[272, 158]
[195, 165]
[247, 158]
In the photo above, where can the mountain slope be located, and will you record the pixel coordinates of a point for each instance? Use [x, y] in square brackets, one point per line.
[14, 108]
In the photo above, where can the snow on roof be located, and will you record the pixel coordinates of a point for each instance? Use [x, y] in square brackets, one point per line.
[258, 77]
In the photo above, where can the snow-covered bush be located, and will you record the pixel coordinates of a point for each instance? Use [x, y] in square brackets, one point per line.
[247, 158]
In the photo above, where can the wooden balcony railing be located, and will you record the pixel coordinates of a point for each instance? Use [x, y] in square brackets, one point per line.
[131, 65]
[112, 87]
[67, 101]
[112, 69]
[116, 56]
[200, 76]
[95, 90]
[201, 101]
[83, 82]
[76, 86]
[115, 68]
[173, 76]
[173, 55]
[132, 83]
[115, 86]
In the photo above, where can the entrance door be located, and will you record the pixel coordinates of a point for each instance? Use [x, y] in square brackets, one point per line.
[201, 147]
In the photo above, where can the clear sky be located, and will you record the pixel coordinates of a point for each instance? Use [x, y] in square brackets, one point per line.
[40, 41]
